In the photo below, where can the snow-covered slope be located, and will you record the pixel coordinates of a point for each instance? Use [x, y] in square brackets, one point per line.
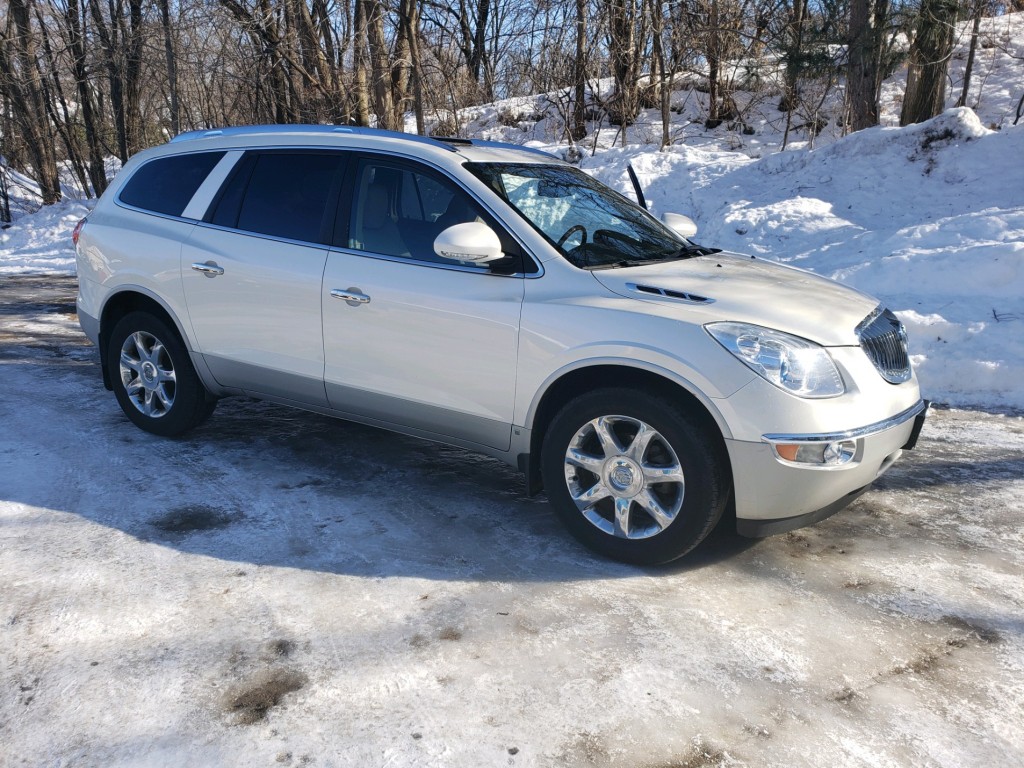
[929, 218]
[40, 242]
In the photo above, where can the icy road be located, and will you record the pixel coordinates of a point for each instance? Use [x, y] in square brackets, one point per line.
[284, 589]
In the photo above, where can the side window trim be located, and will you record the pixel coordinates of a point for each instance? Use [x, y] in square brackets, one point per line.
[242, 170]
[200, 202]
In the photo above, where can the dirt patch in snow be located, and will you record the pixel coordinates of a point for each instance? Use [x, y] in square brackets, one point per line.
[249, 702]
[190, 518]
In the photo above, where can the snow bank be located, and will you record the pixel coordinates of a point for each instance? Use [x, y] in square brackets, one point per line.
[40, 242]
[929, 218]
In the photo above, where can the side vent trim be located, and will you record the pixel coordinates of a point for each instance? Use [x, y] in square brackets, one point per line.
[666, 293]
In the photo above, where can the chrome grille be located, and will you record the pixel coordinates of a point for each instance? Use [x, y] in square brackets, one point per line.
[884, 340]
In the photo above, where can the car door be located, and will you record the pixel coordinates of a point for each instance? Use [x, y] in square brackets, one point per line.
[252, 274]
[411, 339]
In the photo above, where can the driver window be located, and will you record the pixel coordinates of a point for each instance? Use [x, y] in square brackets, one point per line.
[398, 211]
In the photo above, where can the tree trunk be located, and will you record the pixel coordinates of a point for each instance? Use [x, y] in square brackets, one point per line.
[411, 24]
[664, 82]
[75, 24]
[794, 39]
[172, 65]
[622, 30]
[864, 60]
[929, 61]
[362, 88]
[380, 65]
[578, 128]
[61, 123]
[971, 53]
[24, 82]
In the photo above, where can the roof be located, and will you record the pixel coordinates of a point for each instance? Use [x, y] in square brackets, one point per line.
[449, 144]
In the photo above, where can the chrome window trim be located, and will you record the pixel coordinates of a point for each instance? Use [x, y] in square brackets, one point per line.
[435, 264]
[311, 244]
[127, 207]
[850, 434]
[261, 236]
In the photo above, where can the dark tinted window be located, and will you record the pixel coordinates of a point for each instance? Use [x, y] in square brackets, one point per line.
[288, 194]
[167, 184]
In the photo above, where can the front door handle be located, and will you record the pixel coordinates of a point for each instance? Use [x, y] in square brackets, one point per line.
[351, 296]
[209, 268]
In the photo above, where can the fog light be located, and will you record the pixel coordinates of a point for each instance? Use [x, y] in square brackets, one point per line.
[839, 452]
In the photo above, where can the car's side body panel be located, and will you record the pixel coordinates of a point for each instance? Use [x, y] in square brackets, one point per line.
[277, 350]
[431, 347]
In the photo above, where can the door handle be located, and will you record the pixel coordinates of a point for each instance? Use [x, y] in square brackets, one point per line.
[210, 268]
[351, 296]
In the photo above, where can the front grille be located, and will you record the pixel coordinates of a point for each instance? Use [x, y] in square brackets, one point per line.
[884, 340]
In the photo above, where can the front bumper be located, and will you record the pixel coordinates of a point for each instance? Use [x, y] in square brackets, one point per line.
[774, 495]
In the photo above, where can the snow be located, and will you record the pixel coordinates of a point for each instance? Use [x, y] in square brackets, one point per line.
[283, 588]
[928, 218]
[40, 242]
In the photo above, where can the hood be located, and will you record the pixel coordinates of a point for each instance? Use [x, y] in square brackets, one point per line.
[744, 289]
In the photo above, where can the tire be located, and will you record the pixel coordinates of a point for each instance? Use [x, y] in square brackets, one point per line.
[632, 476]
[154, 380]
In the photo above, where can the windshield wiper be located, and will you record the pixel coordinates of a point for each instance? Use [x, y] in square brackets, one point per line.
[623, 263]
[686, 252]
[691, 250]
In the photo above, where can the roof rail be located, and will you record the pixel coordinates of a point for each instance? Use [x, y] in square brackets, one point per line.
[509, 145]
[322, 130]
[452, 139]
[493, 145]
[451, 143]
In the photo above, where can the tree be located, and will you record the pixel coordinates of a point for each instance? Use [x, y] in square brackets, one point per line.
[930, 52]
[22, 80]
[864, 62]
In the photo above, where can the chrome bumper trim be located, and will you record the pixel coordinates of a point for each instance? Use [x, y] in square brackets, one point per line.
[851, 434]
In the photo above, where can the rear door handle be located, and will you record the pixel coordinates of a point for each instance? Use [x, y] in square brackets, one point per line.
[351, 296]
[209, 268]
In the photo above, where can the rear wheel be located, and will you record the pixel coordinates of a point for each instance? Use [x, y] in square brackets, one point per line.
[154, 380]
[632, 476]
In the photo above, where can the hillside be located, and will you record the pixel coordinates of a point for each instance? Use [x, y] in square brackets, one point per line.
[929, 218]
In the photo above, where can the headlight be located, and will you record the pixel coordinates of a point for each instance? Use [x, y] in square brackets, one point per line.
[793, 364]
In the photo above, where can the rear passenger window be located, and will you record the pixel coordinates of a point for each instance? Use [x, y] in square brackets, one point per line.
[287, 195]
[167, 184]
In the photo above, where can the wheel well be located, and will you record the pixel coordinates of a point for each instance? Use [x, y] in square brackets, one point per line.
[601, 376]
[120, 305]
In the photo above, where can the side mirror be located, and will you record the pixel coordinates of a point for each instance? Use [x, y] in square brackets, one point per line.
[473, 242]
[681, 225]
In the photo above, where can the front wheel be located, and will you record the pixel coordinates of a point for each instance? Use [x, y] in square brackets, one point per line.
[632, 476]
[154, 380]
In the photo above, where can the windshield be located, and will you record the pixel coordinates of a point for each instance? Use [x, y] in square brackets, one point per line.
[590, 224]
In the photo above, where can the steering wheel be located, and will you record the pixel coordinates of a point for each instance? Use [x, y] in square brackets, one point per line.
[569, 232]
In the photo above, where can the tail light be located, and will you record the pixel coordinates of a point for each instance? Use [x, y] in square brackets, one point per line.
[78, 231]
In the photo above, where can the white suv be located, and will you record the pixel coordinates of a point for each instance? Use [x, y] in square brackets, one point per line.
[496, 298]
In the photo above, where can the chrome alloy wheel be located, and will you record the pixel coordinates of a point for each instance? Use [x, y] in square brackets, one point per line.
[624, 477]
[147, 374]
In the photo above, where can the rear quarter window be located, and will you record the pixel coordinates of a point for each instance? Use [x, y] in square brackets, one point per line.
[167, 184]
